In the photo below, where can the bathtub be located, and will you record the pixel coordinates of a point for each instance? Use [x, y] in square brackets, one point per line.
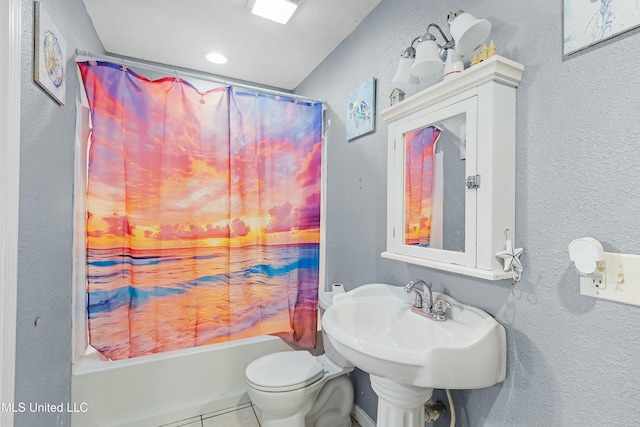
[163, 388]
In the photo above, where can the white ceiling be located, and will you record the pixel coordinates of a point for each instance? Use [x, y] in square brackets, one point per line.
[181, 32]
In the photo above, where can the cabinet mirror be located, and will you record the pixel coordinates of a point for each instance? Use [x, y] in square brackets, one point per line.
[434, 205]
[433, 159]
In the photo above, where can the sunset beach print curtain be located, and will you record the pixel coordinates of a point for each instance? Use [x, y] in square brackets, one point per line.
[203, 214]
[420, 146]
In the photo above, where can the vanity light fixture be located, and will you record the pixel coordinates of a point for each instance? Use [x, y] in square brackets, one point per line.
[430, 57]
[275, 10]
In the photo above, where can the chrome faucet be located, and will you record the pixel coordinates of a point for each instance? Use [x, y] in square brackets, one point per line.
[424, 304]
[424, 298]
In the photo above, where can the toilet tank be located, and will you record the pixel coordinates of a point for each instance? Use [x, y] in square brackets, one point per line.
[325, 299]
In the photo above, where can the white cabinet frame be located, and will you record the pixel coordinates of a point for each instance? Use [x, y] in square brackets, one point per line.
[486, 93]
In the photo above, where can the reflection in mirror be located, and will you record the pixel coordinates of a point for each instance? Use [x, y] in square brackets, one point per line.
[434, 185]
[420, 145]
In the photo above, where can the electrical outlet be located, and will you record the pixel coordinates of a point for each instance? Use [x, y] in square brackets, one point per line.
[620, 282]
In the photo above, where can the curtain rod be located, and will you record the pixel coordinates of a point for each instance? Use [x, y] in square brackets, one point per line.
[83, 55]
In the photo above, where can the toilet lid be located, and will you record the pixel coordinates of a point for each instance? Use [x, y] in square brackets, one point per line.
[284, 371]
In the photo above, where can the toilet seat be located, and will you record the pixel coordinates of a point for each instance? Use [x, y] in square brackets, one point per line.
[284, 371]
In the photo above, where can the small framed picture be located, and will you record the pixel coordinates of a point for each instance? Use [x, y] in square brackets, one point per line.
[361, 109]
[587, 23]
[50, 55]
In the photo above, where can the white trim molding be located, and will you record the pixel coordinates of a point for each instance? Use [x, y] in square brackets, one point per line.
[9, 197]
[361, 417]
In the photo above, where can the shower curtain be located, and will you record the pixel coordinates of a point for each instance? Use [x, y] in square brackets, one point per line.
[420, 147]
[203, 214]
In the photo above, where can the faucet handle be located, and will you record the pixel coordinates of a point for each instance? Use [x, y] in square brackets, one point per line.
[441, 306]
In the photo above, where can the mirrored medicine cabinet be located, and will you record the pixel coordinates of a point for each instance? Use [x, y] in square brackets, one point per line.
[451, 172]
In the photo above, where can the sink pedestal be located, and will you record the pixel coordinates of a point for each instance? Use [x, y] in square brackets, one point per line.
[399, 404]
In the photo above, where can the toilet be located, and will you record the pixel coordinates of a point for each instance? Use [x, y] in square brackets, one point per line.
[297, 389]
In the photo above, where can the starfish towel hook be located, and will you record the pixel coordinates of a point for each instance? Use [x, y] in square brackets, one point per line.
[511, 255]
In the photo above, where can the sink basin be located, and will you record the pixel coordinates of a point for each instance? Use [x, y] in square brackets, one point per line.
[374, 328]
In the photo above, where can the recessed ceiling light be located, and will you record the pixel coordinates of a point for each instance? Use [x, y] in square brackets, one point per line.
[275, 10]
[216, 58]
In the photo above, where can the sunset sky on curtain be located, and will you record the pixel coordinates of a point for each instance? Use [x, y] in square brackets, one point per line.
[203, 214]
[419, 145]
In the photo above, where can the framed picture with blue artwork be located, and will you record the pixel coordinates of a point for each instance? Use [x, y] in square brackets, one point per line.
[50, 60]
[361, 109]
[588, 22]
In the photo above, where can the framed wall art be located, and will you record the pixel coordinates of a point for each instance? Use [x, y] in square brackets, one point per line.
[588, 22]
[361, 109]
[50, 50]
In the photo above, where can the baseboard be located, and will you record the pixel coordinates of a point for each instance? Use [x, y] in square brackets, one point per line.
[361, 417]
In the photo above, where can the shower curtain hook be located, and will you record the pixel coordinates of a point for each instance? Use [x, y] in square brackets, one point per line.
[124, 67]
[177, 76]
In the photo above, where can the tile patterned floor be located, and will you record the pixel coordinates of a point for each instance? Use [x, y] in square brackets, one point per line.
[241, 416]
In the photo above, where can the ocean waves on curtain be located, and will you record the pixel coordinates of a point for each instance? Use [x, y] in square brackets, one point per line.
[203, 219]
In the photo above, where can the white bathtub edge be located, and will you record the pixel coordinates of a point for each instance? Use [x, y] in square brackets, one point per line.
[92, 361]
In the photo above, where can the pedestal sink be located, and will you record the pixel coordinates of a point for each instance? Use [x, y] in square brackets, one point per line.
[408, 355]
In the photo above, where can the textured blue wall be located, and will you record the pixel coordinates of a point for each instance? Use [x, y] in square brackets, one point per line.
[43, 354]
[572, 360]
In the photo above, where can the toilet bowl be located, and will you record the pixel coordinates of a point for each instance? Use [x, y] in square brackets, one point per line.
[297, 389]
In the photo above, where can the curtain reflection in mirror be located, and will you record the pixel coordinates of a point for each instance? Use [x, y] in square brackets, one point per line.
[420, 147]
